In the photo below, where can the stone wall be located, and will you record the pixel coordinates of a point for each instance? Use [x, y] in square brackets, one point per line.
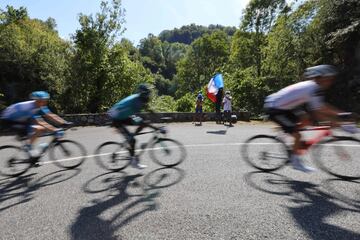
[99, 119]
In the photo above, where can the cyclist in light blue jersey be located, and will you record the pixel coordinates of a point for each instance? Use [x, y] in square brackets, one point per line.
[27, 117]
[124, 113]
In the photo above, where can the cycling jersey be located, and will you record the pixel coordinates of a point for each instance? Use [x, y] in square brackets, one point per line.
[23, 112]
[126, 107]
[303, 93]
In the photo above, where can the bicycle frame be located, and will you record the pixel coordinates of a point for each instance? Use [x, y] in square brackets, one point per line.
[325, 131]
[51, 143]
[155, 137]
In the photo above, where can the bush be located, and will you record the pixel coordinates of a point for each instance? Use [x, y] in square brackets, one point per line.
[186, 103]
[163, 103]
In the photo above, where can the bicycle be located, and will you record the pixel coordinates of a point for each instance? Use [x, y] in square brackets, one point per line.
[336, 155]
[115, 156]
[16, 160]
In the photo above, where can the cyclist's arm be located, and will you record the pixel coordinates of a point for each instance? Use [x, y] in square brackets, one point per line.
[39, 121]
[55, 118]
[328, 113]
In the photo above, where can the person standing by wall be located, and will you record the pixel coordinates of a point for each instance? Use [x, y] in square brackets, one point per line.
[198, 108]
[218, 104]
[227, 107]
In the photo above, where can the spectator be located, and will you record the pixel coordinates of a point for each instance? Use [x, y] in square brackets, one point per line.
[219, 97]
[227, 107]
[198, 108]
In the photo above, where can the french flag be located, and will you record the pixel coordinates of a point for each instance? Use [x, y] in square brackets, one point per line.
[215, 83]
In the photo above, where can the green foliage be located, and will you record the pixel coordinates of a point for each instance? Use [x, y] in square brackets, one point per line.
[186, 103]
[32, 57]
[95, 57]
[13, 15]
[248, 90]
[163, 103]
[207, 55]
[189, 33]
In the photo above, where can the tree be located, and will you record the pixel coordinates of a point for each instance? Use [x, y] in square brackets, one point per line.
[206, 56]
[258, 17]
[32, 57]
[12, 15]
[92, 65]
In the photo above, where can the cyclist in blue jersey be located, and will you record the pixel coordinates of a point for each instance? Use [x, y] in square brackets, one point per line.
[124, 113]
[27, 117]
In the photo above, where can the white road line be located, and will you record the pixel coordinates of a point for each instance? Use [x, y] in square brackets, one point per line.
[186, 146]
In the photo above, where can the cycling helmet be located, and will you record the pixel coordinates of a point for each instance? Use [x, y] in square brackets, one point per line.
[320, 71]
[144, 91]
[227, 92]
[40, 95]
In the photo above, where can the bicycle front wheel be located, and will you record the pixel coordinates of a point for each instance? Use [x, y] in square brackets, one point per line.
[167, 152]
[112, 156]
[14, 161]
[266, 153]
[67, 154]
[339, 157]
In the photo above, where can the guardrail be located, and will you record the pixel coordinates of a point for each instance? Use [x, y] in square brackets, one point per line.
[98, 119]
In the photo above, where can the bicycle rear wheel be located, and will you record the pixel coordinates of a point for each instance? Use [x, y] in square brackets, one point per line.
[14, 161]
[167, 152]
[67, 154]
[339, 157]
[266, 153]
[112, 156]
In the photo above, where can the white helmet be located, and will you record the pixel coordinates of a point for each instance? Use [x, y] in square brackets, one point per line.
[320, 71]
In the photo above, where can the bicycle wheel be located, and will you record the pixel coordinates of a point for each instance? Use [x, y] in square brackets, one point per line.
[339, 157]
[14, 161]
[67, 154]
[112, 156]
[266, 153]
[167, 152]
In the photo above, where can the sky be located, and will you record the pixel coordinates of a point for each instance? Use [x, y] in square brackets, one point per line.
[142, 16]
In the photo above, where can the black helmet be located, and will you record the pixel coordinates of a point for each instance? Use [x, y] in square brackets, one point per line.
[321, 71]
[145, 91]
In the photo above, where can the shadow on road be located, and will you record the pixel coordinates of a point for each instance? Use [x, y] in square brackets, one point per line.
[126, 198]
[15, 191]
[218, 132]
[345, 191]
[310, 207]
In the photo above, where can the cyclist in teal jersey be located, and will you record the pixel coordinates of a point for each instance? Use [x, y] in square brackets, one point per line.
[124, 113]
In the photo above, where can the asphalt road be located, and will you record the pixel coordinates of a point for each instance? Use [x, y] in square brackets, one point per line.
[213, 194]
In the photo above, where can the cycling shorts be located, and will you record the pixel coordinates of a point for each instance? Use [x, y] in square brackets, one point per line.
[287, 119]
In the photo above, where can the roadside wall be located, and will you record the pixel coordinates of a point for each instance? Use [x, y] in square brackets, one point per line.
[99, 119]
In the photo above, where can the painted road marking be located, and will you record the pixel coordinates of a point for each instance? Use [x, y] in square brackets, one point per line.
[185, 146]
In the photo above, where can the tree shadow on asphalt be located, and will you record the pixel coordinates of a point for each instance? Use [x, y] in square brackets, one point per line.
[16, 191]
[313, 207]
[126, 199]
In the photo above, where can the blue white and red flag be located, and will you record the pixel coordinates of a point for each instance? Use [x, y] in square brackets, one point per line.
[214, 85]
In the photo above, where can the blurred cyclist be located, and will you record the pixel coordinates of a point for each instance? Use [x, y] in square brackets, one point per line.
[123, 114]
[27, 117]
[292, 107]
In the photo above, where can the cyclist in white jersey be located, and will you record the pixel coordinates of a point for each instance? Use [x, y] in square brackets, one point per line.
[26, 117]
[293, 106]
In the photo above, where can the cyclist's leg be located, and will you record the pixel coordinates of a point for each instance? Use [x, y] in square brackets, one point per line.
[288, 120]
[35, 131]
[121, 126]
